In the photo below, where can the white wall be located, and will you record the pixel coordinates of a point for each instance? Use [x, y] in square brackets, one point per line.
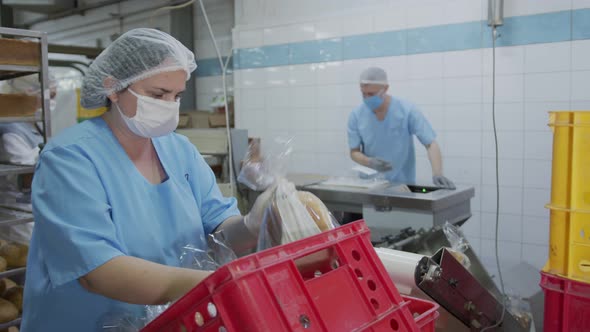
[390, 14]
[453, 89]
[221, 17]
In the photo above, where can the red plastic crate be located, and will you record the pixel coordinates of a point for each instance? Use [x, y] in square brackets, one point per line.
[425, 313]
[332, 281]
[567, 304]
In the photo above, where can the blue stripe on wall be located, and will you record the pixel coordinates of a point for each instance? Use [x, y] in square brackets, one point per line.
[533, 29]
[518, 30]
[211, 67]
[442, 38]
[581, 24]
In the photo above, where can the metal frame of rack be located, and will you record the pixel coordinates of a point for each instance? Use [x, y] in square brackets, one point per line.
[12, 71]
[10, 217]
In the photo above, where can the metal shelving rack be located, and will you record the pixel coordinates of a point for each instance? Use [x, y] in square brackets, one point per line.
[8, 71]
[9, 217]
[15, 322]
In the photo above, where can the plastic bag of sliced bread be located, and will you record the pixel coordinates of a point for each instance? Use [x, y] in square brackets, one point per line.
[293, 215]
[290, 215]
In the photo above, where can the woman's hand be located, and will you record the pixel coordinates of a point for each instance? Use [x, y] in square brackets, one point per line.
[253, 220]
[138, 281]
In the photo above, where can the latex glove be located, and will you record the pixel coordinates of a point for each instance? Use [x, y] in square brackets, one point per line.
[253, 220]
[380, 165]
[443, 182]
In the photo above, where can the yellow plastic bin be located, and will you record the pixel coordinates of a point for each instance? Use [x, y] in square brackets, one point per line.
[569, 244]
[570, 178]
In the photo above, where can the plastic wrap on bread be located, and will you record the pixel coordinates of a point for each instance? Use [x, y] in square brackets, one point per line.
[261, 169]
[293, 215]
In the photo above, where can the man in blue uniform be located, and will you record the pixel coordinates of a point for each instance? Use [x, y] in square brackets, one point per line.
[381, 130]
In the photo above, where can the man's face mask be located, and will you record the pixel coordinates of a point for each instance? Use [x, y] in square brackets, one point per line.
[375, 101]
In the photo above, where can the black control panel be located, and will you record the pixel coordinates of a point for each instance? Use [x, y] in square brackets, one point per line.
[422, 189]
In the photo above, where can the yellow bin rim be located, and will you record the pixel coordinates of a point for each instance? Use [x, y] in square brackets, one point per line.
[562, 209]
[553, 122]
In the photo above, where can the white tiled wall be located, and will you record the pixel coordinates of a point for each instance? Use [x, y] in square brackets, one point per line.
[526, 7]
[333, 18]
[548, 86]
[580, 53]
[462, 63]
[453, 90]
[221, 18]
[509, 60]
[543, 58]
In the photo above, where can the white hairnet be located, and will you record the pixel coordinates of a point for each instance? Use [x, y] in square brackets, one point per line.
[374, 75]
[26, 84]
[135, 55]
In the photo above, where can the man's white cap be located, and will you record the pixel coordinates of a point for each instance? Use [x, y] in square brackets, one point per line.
[374, 75]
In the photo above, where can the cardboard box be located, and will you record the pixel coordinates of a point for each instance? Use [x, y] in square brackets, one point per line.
[218, 121]
[202, 119]
[198, 119]
[207, 141]
[184, 121]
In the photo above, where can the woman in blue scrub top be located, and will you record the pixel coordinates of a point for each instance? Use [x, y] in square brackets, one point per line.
[116, 198]
[381, 133]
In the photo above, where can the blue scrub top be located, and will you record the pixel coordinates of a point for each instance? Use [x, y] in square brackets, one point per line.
[391, 139]
[92, 204]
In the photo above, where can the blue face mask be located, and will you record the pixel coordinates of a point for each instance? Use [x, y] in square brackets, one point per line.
[374, 102]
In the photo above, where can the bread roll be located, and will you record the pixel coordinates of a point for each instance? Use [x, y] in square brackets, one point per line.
[24, 253]
[317, 210]
[8, 311]
[15, 254]
[15, 296]
[10, 329]
[7, 284]
[10, 252]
